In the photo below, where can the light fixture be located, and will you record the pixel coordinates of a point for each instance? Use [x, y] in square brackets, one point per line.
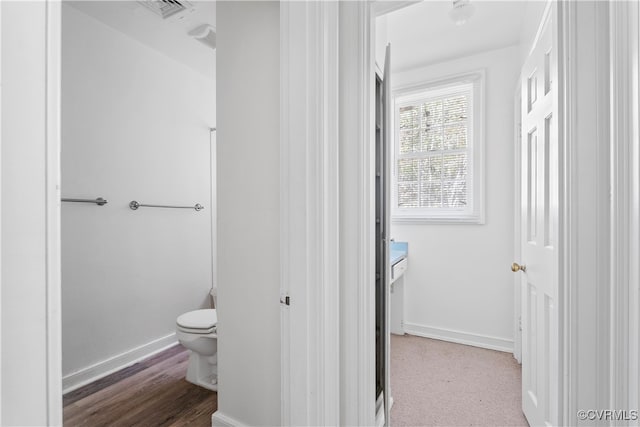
[206, 34]
[462, 11]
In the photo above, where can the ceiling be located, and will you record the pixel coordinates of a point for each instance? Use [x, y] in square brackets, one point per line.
[420, 34]
[423, 34]
[168, 36]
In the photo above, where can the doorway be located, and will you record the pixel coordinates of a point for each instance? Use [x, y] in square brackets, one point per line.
[137, 163]
[452, 174]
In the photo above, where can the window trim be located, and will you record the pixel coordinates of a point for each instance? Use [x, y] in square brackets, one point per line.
[475, 213]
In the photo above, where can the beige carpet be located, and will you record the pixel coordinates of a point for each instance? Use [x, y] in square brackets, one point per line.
[437, 383]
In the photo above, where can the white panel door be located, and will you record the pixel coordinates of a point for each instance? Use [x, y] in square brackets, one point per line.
[539, 222]
[387, 113]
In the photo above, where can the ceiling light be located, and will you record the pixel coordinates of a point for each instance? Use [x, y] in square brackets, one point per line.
[205, 34]
[462, 11]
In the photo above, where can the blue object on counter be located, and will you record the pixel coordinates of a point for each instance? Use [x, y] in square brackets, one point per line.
[398, 251]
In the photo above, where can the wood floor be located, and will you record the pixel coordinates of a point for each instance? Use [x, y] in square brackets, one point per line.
[150, 393]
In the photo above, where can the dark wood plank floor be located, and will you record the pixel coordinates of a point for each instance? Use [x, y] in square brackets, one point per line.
[149, 393]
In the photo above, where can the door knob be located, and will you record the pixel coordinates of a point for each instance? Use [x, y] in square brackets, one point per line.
[515, 267]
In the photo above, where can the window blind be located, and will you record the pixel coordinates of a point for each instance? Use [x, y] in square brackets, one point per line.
[434, 151]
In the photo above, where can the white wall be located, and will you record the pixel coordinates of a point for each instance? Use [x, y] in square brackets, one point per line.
[135, 126]
[534, 11]
[23, 392]
[458, 283]
[248, 76]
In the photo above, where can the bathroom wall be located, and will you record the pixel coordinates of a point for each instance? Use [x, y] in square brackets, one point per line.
[135, 126]
[248, 182]
[458, 285]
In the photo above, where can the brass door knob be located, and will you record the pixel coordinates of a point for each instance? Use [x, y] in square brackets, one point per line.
[515, 267]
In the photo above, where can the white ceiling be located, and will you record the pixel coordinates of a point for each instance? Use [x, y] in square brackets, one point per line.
[423, 33]
[168, 36]
[420, 34]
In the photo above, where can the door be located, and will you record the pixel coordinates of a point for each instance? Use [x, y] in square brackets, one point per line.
[539, 230]
[387, 112]
[383, 273]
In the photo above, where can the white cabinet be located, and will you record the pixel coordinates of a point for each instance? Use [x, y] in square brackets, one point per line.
[397, 297]
[398, 269]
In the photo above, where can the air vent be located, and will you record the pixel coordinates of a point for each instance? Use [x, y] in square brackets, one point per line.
[165, 8]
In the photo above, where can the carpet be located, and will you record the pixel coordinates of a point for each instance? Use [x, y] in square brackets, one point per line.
[438, 383]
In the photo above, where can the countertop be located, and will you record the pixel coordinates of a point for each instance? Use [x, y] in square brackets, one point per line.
[398, 251]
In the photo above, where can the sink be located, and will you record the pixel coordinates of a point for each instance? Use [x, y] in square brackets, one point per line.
[397, 252]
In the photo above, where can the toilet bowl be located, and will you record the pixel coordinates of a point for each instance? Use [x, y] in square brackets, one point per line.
[196, 330]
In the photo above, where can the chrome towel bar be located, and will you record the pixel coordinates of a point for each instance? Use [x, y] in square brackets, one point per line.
[99, 201]
[135, 205]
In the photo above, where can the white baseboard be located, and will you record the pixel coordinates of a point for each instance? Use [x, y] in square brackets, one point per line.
[108, 366]
[476, 340]
[218, 419]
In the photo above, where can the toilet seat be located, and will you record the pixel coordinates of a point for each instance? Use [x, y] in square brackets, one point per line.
[198, 321]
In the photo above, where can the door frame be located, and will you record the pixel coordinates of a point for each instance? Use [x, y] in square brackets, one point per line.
[309, 205]
[50, 352]
[583, 212]
[328, 259]
[357, 214]
[584, 206]
[53, 248]
[356, 73]
[624, 21]
[517, 209]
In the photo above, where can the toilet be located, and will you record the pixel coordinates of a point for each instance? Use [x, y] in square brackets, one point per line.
[196, 330]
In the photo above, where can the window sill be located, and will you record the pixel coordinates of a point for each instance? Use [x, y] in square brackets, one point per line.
[416, 220]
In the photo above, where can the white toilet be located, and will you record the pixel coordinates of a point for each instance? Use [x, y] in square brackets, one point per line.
[196, 330]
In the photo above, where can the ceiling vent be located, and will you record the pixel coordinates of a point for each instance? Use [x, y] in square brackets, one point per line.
[166, 8]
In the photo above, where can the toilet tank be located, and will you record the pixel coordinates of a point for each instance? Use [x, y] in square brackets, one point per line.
[214, 296]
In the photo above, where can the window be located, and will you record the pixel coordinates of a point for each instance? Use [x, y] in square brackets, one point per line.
[438, 152]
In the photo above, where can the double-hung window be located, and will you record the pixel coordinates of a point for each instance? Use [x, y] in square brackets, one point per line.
[438, 152]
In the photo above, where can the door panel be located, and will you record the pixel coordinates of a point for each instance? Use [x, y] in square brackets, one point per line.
[383, 274]
[539, 219]
[387, 113]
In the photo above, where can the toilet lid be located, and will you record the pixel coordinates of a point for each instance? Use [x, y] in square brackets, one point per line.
[198, 319]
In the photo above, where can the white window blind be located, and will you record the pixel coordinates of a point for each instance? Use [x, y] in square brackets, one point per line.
[434, 154]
